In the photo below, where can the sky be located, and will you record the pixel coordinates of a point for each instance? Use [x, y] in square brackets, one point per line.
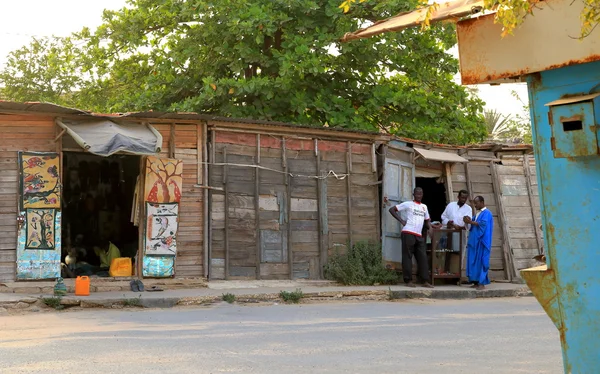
[28, 18]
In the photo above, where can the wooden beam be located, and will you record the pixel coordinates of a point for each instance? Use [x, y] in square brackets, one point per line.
[257, 207]
[322, 208]
[226, 186]
[210, 167]
[205, 202]
[288, 192]
[536, 223]
[349, 189]
[449, 187]
[172, 141]
[470, 187]
[510, 267]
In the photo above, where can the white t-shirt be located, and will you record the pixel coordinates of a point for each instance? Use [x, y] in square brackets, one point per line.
[416, 214]
[455, 213]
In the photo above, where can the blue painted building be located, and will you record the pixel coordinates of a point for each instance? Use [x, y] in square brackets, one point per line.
[563, 78]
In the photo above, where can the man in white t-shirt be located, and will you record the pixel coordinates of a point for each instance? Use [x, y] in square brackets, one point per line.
[453, 218]
[413, 242]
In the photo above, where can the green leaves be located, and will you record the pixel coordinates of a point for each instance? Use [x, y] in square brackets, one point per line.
[276, 60]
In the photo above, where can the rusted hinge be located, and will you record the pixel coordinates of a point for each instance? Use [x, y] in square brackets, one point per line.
[595, 128]
[550, 117]
[553, 143]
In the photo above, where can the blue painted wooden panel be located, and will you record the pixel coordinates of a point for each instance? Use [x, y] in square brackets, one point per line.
[569, 194]
[39, 264]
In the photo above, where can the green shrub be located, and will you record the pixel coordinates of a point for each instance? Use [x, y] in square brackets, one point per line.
[228, 297]
[291, 296]
[53, 302]
[361, 265]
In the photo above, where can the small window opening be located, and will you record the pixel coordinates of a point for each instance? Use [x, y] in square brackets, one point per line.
[572, 125]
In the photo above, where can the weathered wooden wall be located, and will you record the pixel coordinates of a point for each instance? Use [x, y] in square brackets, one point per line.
[303, 212]
[476, 177]
[183, 142]
[17, 133]
[521, 205]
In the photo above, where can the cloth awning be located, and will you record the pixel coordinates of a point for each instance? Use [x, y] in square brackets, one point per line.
[452, 10]
[103, 137]
[440, 156]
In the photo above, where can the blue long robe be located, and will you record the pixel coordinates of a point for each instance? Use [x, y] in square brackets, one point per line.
[479, 248]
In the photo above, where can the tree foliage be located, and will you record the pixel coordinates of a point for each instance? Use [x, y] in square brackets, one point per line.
[276, 60]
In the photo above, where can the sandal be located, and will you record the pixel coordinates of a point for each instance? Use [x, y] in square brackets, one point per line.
[154, 289]
[134, 286]
[140, 285]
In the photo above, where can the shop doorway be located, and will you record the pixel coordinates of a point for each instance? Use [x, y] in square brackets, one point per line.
[98, 195]
[434, 196]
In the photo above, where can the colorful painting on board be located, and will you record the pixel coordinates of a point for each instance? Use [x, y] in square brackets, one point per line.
[161, 231]
[40, 228]
[158, 266]
[163, 180]
[33, 265]
[40, 180]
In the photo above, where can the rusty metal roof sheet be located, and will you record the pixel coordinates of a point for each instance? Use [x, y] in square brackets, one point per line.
[573, 99]
[452, 10]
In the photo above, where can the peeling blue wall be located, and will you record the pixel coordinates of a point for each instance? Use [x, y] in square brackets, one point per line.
[570, 201]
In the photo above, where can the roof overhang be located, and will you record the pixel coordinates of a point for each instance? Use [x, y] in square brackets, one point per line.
[440, 156]
[450, 11]
[546, 40]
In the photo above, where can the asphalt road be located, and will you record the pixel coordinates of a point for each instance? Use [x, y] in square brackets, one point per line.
[463, 336]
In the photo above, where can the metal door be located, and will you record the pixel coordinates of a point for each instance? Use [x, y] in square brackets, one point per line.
[39, 217]
[397, 187]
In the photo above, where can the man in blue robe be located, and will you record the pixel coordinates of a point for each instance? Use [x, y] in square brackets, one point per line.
[479, 244]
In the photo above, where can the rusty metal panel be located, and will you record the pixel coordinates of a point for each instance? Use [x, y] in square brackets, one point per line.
[569, 188]
[547, 40]
[451, 10]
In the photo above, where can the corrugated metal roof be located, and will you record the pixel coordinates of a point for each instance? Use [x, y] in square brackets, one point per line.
[440, 155]
[452, 10]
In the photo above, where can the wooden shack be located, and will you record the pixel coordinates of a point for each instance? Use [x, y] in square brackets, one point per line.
[504, 175]
[223, 198]
[281, 198]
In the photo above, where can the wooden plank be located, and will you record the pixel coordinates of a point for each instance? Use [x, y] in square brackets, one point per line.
[256, 209]
[226, 207]
[288, 197]
[532, 202]
[323, 223]
[349, 190]
[509, 270]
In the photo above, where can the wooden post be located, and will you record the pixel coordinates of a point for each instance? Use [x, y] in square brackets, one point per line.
[322, 213]
[349, 189]
[470, 187]
[449, 188]
[210, 168]
[226, 188]
[509, 264]
[288, 192]
[172, 142]
[199, 152]
[142, 220]
[257, 207]
[205, 205]
[536, 224]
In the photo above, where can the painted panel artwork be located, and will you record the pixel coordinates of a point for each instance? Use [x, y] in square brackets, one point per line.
[163, 180]
[40, 180]
[161, 231]
[158, 266]
[40, 229]
[33, 265]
